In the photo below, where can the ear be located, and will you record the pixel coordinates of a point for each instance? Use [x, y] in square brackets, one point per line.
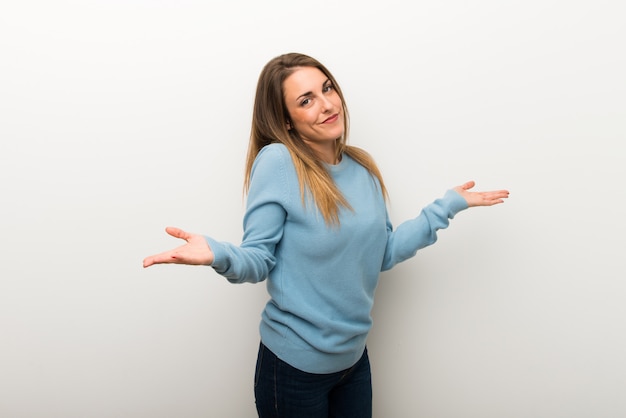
[289, 127]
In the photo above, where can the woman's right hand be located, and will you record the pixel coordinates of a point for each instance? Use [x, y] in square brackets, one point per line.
[195, 252]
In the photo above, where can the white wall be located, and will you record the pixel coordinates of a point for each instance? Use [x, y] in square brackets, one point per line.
[118, 118]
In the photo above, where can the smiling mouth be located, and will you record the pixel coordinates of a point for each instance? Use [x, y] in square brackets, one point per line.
[332, 118]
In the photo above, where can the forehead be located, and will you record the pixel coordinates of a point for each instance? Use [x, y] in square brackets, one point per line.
[303, 80]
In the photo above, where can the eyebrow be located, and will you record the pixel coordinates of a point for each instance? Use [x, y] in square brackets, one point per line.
[308, 93]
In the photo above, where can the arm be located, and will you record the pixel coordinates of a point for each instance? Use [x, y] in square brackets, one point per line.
[421, 231]
[263, 225]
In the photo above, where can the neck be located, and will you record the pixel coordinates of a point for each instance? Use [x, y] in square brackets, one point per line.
[326, 152]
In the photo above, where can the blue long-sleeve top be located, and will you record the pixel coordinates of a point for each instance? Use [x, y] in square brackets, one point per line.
[321, 279]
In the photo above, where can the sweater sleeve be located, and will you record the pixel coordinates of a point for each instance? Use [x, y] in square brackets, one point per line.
[263, 223]
[420, 232]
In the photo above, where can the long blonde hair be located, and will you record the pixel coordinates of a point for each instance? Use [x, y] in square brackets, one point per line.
[269, 126]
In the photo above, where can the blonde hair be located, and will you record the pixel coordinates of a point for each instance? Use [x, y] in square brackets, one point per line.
[269, 126]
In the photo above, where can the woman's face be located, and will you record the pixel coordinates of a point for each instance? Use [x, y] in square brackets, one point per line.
[314, 108]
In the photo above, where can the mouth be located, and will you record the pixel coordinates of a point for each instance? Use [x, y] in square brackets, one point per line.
[332, 119]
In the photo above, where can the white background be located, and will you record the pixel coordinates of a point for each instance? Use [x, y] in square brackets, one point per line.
[118, 118]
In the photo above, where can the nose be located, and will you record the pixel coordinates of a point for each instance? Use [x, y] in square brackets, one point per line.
[326, 104]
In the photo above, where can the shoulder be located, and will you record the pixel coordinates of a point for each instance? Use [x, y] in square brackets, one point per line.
[272, 164]
[274, 152]
[271, 157]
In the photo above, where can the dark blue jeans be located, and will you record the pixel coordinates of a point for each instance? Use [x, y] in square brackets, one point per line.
[282, 391]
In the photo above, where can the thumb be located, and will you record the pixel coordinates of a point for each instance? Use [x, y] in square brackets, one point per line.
[468, 185]
[177, 233]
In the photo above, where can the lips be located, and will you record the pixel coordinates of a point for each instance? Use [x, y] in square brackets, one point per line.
[332, 119]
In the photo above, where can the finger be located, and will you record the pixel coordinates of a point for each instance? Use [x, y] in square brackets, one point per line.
[493, 199]
[177, 233]
[149, 261]
[468, 185]
[498, 194]
[162, 258]
[494, 194]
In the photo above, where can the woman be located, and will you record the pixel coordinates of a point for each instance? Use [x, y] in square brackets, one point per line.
[316, 227]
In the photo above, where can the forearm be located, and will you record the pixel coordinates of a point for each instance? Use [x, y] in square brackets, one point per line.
[420, 232]
[241, 264]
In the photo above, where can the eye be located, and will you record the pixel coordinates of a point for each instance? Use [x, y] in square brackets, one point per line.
[305, 102]
[328, 87]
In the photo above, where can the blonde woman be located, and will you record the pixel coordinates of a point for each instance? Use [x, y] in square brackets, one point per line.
[316, 229]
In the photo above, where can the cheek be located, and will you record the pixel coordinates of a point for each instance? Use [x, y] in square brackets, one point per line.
[303, 117]
[337, 100]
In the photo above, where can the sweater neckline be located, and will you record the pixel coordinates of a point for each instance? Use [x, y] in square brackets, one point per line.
[336, 168]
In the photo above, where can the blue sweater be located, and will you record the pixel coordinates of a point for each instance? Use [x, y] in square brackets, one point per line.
[321, 279]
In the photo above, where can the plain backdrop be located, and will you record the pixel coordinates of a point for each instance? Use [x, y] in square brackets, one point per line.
[119, 118]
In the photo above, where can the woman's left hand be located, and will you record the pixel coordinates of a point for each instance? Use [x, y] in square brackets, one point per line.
[481, 198]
